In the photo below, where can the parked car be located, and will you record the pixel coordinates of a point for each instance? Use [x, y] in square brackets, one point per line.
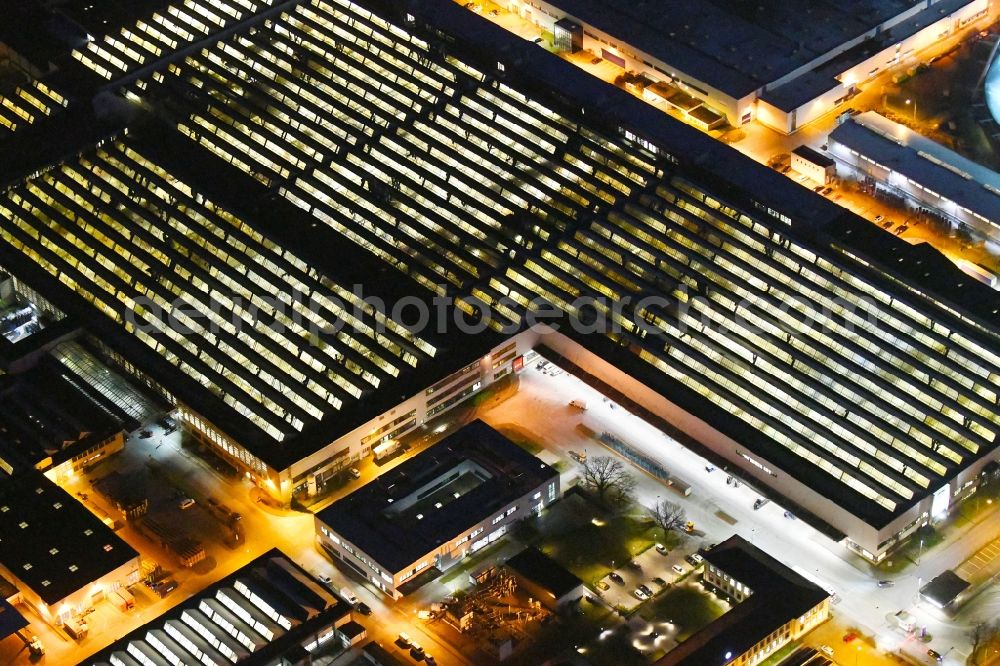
[886, 583]
[935, 655]
[826, 649]
[354, 473]
[578, 404]
[363, 608]
[640, 595]
[323, 578]
[186, 503]
[879, 218]
[789, 515]
[659, 581]
[645, 588]
[678, 569]
[579, 457]
[661, 549]
[759, 503]
[416, 651]
[634, 564]
[36, 648]
[602, 586]
[689, 527]
[403, 640]
[616, 577]
[348, 594]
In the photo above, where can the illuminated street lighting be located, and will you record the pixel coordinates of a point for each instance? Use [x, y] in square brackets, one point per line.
[914, 108]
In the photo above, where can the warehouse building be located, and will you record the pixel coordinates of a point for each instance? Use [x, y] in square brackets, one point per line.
[270, 612]
[923, 171]
[773, 606]
[432, 510]
[61, 557]
[727, 56]
[814, 165]
[759, 318]
[54, 422]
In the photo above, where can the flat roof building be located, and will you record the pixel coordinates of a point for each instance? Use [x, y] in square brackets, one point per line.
[773, 606]
[810, 162]
[923, 171]
[544, 578]
[54, 422]
[858, 376]
[944, 590]
[729, 55]
[435, 508]
[269, 612]
[61, 557]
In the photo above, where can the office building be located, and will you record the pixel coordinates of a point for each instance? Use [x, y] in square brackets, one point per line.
[773, 606]
[432, 510]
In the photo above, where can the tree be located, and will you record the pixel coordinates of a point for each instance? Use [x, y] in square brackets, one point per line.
[981, 634]
[609, 478]
[668, 516]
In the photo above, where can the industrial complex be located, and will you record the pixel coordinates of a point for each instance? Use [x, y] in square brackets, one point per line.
[313, 248]
[780, 344]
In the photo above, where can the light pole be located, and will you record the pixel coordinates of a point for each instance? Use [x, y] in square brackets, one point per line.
[920, 553]
[914, 108]
[857, 653]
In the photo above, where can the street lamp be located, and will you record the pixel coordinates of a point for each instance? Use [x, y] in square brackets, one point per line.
[914, 108]
[857, 653]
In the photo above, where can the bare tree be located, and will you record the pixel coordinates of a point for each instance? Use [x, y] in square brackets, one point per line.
[609, 478]
[981, 634]
[668, 516]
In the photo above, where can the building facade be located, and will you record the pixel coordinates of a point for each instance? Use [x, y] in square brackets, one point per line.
[772, 606]
[797, 91]
[434, 509]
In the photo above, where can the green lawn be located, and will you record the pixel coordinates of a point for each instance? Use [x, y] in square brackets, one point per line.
[781, 654]
[687, 606]
[586, 540]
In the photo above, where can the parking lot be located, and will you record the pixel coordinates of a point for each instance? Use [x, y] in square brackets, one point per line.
[654, 570]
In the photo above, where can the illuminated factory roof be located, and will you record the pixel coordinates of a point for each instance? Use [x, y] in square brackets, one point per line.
[269, 611]
[470, 181]
[137, 243]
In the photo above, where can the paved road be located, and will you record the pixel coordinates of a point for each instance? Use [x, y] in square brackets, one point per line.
[541, 406]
